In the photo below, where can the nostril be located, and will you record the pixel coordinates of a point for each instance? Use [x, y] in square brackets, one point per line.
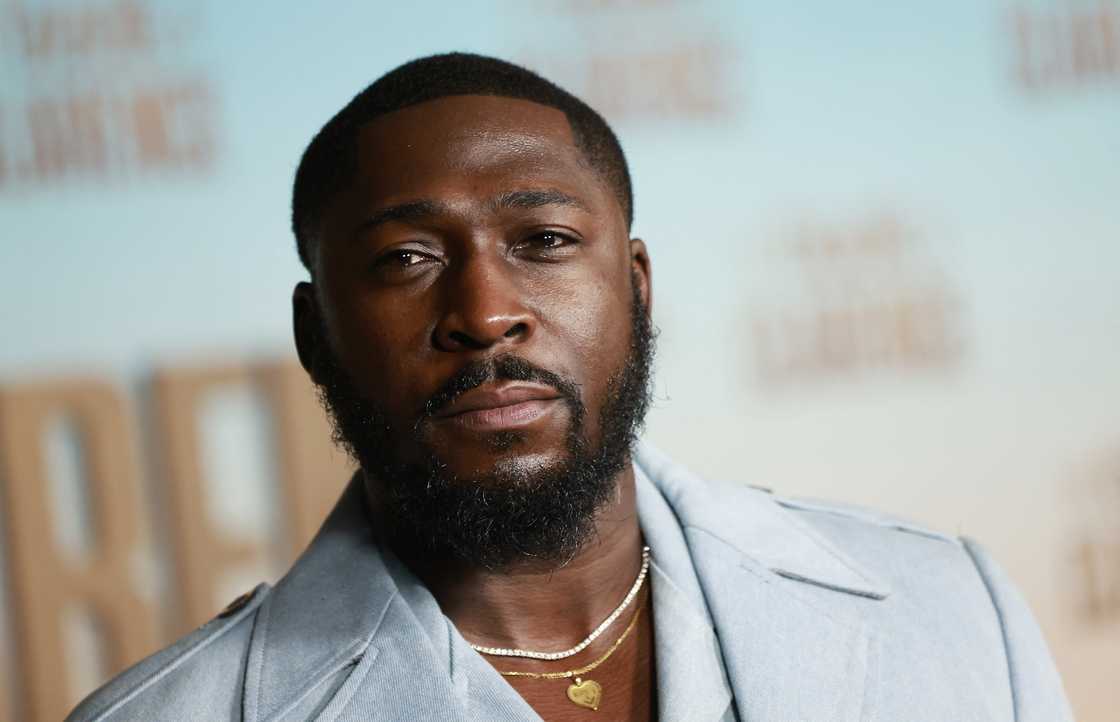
[465, 341]
[518, 329]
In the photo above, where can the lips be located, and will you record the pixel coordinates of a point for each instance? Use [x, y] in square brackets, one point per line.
[509, 405]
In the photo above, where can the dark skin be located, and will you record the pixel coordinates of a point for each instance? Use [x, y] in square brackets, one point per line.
[476, 227]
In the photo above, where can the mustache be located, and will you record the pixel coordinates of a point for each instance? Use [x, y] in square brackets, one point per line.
[506, 367]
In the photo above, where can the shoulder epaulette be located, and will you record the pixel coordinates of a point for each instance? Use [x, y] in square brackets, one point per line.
[131, 683]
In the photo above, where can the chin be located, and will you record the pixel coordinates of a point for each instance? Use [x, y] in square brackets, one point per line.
[520, 468]
[504, 464]
[506, 453]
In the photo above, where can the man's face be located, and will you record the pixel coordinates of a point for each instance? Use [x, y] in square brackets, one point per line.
[476, 292]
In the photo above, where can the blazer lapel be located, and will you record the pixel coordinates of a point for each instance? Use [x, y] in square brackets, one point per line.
[423, 669]
[319, 619]
[349, 634]
[338, 638]
[789, 657]
[785, 660]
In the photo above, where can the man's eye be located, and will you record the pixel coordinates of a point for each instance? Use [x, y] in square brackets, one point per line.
[551, 240]
[547, 241]
[403, 259]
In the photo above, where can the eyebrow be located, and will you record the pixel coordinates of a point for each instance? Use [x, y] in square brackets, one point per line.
[529, 199]
[411, 211]
[425, 209]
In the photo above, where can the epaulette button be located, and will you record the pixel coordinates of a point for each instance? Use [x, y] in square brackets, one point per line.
[236, 605]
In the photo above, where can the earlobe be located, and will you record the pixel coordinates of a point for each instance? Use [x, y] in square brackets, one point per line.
[305, 327]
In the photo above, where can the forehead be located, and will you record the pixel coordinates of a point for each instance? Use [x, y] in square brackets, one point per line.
[472, 144]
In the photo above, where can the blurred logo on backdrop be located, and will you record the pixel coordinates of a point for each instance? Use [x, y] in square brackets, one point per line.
[102, 91]
[851, 298]
[235, 468]
[676, 62]
[1065, 44]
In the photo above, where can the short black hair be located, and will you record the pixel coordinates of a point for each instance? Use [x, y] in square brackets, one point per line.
[330, 160]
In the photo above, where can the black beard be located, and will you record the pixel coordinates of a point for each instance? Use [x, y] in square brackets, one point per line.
[543, 513]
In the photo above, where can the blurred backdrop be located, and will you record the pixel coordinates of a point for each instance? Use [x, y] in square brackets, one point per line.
[885, 251]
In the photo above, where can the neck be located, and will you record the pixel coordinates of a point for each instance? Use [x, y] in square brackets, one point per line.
[541, 606]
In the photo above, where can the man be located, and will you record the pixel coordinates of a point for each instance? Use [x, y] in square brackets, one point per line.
[478, 324]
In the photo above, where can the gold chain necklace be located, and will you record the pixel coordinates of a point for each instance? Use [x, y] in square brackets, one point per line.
[531, 654]
[584, 692]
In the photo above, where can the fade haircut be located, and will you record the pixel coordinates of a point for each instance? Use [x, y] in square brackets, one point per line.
[330, 161]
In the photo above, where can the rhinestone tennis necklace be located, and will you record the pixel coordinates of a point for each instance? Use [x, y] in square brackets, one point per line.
[584, 692]
[532, 654]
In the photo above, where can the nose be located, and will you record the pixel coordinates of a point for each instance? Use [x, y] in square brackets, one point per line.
[484, 306]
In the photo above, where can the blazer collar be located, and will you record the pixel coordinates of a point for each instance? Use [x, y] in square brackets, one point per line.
[789, 654]
[321, 615]
[750, 522]
[349, 629]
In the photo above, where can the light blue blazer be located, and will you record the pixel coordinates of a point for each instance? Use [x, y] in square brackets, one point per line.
[823, 614]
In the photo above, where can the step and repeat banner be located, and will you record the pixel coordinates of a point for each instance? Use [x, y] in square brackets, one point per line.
[886, 251]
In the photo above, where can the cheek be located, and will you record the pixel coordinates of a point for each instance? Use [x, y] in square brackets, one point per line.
[375, 342]
[594, 320]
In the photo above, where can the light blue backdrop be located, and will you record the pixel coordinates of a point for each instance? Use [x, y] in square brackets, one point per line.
[836, 116]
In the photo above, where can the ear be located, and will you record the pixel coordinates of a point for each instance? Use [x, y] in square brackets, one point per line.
[307, 327]
[642, 273]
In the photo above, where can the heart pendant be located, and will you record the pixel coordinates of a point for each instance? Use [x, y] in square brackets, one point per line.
[586, 693]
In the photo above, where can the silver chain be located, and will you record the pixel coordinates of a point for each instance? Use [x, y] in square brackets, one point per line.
[504, 652]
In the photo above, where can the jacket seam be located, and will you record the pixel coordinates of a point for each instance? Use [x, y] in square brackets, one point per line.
[262, 621]
[969, 547]
[876, 596]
